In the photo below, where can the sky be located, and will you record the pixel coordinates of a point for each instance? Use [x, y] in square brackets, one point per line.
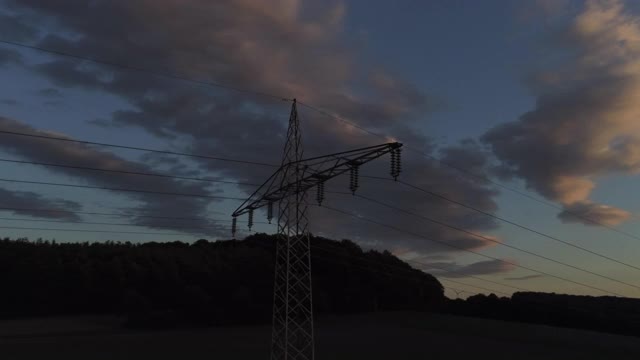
[535, 101]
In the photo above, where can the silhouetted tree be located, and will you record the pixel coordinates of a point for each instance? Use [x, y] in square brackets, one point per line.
[204, 283]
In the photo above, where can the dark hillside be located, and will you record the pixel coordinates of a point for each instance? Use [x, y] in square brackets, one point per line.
[205, 283]
[601, 313]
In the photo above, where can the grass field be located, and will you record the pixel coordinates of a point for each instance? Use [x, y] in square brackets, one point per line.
[397, 336]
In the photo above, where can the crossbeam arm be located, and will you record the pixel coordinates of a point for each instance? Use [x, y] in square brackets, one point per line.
[314, 171]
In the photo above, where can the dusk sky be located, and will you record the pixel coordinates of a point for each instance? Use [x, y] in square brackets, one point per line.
[542, 97]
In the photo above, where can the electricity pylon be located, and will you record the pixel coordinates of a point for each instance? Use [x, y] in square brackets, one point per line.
[292, 331]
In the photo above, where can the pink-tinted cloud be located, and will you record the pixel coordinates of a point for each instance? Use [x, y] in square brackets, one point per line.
[585, 122]
[606, 215]
[287, 47]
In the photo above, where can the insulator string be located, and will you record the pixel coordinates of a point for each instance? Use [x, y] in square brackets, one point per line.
[355, 179]
[393, 163]
[234, 227]
[320, 194]
[270, 211]
[398, 164]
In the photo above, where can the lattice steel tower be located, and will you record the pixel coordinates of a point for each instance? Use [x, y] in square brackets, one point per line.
[292, 332]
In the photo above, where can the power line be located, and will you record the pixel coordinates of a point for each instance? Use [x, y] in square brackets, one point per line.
[110, 214]
[373, 177]
[218, 85]
[470, 174]
[125, 172]
[220, 197]
[411, 270]
[460, 291]
[172, 76]
[126, 215]
[92, 231]
[453, 246]
[122, 189]
[90, 223]
[165, 152]
[434, 194]
[325, 113]
[440, 278]
[440, 196]
[496, 241]
[406, 270]
[351, 264]
[331, 260]
[404, 183]
[466, 275]
[474, 286]
[119, 224]
[550, 305]
[436, 267]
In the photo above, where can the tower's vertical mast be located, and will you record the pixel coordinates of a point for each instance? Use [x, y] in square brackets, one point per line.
[292, 336]
[292, 333]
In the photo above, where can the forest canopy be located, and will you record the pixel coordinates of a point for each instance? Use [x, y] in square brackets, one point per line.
[203, 283]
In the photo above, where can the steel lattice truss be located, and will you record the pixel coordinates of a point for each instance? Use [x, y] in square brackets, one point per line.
[292, 329]
[292, 332]
[311, 172]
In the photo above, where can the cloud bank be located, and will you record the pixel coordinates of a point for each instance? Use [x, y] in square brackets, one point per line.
[585, 124]
[69, 153]
[284, 47]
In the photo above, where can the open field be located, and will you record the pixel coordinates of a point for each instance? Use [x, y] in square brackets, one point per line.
[372, 336]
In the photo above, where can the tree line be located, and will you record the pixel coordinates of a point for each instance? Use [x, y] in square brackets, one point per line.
[178, 284]
[611, 314]
[200, 284]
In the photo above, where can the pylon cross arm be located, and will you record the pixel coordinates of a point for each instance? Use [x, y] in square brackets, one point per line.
[314, 171]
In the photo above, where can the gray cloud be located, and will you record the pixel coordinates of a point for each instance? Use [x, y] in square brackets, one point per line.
[278, 47]
[16, 26]
[583, 210]
[585, 122]
[50, 93]
[8, 56]
[527, 277]
[83, 155]
[10, 102]
[453, 270]
[23, 203]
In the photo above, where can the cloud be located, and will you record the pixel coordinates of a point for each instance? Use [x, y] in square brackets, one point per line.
[527, 277]
[8, 56]
[9, 102]
[69, 153]
[452, 270]
[283, 47]
[22, 202]
[544, 10]
[583, 211]
[585, 122]
[16, 26]
[50, 93]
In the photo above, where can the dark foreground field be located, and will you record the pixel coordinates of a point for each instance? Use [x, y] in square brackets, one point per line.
[375, 336]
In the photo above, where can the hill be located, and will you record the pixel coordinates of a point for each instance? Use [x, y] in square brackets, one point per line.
[205, 283]
[171, 285]
[602, 313]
